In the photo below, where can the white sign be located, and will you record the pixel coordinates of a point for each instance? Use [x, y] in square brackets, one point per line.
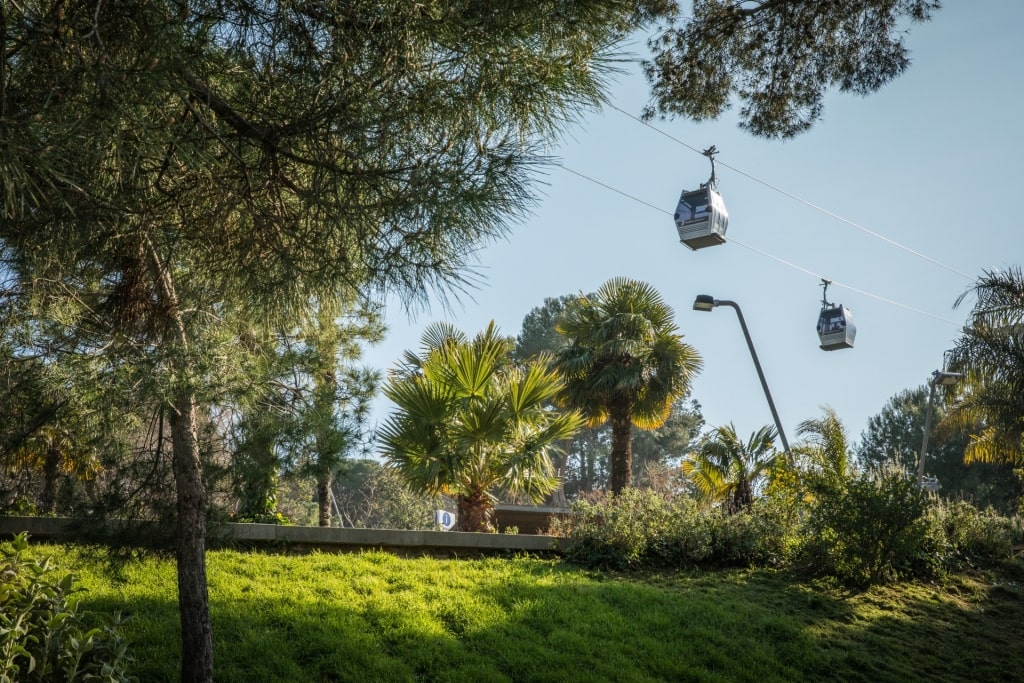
[444, 519]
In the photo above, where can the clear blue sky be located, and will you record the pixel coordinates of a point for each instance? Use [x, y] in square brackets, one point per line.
[933, 161]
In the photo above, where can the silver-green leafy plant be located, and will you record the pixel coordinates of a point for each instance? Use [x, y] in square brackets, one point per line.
[44, 637]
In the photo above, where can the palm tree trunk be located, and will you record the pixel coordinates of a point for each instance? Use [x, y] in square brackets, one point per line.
[474, 512]
[743, 496]
[622, 447]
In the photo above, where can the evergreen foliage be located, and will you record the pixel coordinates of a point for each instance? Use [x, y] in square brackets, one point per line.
[172, 175]
[778, 59]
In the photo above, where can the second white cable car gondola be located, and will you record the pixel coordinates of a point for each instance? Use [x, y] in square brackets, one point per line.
[835, 324]
[701, 218]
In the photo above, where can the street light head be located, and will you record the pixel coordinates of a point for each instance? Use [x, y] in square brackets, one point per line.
[946, 379]
[704, 302]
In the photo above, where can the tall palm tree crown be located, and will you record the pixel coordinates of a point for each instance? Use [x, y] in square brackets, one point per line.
[468, 420]
[626, 364]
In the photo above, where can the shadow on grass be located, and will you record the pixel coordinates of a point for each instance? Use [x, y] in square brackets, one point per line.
[550, 622]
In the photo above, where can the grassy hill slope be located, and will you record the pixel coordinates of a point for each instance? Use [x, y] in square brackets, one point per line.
[376, 617]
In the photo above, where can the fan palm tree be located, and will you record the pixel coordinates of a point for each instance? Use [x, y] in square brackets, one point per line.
[727, 470]
[990, 354]
[469, 420]
[625, 364]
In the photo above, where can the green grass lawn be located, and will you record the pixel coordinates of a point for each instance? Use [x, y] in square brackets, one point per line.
[376, 617]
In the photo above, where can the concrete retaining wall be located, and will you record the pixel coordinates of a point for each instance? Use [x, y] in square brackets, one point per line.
[426, 542]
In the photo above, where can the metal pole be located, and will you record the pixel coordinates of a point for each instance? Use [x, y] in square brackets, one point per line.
[760, 373]
[927, 430]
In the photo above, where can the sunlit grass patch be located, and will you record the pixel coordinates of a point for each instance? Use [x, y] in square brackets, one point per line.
[373, 616]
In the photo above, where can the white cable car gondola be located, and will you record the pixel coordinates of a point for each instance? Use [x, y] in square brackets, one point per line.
[835, 324]
[701, 218]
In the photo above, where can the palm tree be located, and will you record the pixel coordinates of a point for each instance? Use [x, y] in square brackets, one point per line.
[625, 364]
[990, 354]
[825, 450]
[469, 420]
[725, 469]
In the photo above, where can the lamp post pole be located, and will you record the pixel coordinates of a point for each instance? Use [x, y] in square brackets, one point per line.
[706, 303]
[927, 430]
[943, 378]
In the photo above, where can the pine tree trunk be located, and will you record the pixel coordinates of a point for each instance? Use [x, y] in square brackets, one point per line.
[622, 448]
[190, 533]
[323, 497]
[193, 598]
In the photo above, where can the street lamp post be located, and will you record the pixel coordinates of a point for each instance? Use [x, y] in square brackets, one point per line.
[938, 378]
[705, 302]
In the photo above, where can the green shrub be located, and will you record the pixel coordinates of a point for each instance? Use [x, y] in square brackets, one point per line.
[618, 531]
[757, 537]
[43, 636]
[643, 528]
[968, 537]
[869, 528]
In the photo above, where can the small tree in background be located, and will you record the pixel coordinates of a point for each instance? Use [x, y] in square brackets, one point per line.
[824, 453]
[468, 420]
[371, 495]
[726, 470]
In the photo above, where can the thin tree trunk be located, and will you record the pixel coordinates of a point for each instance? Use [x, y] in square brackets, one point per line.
[190, 534]
[190, 537]
[51, 470]
[622, 448]
[323, 497]
[587, 460]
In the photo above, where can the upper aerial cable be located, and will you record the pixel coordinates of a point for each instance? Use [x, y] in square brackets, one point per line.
[701, 218]
[835, 323]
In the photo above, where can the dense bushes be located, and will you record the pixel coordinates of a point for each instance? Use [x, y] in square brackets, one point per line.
[43, 636]
[868, 528]
[862, 529]
[642, 528]
[966, 537]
